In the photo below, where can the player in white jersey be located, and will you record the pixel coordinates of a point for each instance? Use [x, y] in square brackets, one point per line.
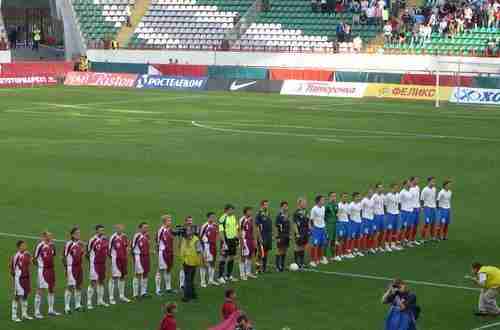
[406, 203]
[355, 223]
[415, 193]
[428, 199]
[444, 209]
[391, 203]
[318, 232]
[379, 215]
[343, 232]
[369, 225]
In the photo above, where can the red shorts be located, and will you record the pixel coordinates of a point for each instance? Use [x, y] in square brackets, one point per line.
[247, 248]
[142, 264]
[98, 272]
[46, 278]
[166, 260]
[74, 275]
[119, 267]
[22, 286]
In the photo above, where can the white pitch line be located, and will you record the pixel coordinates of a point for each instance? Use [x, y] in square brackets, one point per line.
[330, 138]
[35, 238]
[497, 324]
[381, 278]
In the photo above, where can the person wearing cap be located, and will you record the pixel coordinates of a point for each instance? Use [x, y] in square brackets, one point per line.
[404, 310]
[488, 279]
[169, 322]
[190, 253]
[228, 233]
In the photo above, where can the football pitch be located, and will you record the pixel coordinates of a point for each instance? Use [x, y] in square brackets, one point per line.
[87, 156]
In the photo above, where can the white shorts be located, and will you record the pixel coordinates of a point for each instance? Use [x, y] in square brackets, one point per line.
[162, 264]
[18, 288]
[42, 283]
[207, 254]
[115, 271]
[139, 270]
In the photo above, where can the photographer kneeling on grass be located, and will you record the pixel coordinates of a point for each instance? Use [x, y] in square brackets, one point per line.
[404, 310]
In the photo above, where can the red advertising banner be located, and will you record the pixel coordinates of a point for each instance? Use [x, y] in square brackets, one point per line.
[300, 74]
[430, 80]
[28, 81]
[182, 70]
[101, 79]
[23, 69]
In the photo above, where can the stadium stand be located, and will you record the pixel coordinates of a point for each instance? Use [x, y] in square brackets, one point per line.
[101, 19]
[447, 29]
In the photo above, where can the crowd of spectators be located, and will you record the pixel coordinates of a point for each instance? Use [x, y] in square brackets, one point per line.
[442, 17]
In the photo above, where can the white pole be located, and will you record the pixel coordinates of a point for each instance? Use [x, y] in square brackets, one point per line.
[437, 84]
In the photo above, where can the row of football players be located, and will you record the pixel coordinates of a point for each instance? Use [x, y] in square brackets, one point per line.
[370, 223]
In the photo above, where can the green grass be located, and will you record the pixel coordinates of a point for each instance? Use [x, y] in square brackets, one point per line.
[132, 155]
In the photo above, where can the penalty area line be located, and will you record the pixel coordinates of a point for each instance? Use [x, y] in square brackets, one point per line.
[487, 326]
[388, 279]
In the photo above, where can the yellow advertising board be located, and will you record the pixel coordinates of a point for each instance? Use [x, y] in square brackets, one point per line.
[409, 92]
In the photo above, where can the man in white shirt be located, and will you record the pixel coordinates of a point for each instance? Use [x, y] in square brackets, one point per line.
[405, 199]
[444, 209]
[415, 194]
[388, 32]
[318, 233]
[391, 203]
[355, 223]
[343, 234]
[369, 225]
[428, 199]
[379, 217]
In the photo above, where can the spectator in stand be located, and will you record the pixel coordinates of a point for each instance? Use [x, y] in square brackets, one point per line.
[357, 44]
[315, 6]
[371, 14]
[3, 44]
[169, 322]
[347, 33]
[128, 12]
[388, 33]
[324, 6]
[406, 19]
[339, 7]
[340, 32]
[229, 307]
[37, 36]
[443, 26]
[13, 38]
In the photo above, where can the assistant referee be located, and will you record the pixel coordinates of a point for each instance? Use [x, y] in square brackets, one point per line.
[228, 232]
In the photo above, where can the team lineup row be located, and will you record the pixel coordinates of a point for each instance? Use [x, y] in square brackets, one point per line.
[377, 221]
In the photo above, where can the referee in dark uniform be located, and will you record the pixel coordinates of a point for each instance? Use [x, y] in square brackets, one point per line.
[283, 236]
[301, 222]
[265, 226]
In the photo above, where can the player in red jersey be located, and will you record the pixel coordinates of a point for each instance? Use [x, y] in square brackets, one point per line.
[72, 262]
[43, 257]
[140, 252]
[165, 249]
[118, 252]
[97, 253]
[20, 272]
[208, 235]
[248, 243]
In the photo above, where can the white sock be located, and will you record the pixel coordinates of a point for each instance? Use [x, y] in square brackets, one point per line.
[168, 280]
[203, 272]
[14, 309]
[248, 266]
[100, 293]
[78, 299]
[121, 288]
[111, 289]
[144, 286]
[211, 273]
[24, 307]
[50, 300]
[181, 278]
[242, 269]
[38, 304]
[158, 282]
[67, 300]
[135, 287]
[90, 295]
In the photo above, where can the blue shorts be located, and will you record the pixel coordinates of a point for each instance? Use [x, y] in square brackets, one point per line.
[318, 236]
[416, 216]
[355, 229]
[369, 227]
[444, 216]
[392, 221]
[406, 219]
[429, 215]
[342, 229]
[379, 222]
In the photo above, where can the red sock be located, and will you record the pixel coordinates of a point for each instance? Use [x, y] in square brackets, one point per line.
[338, 250]
[414, 233]
[445, 231]
[394, 237]
[425, 229]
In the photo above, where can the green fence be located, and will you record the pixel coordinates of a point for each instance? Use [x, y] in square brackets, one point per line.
[236, 72]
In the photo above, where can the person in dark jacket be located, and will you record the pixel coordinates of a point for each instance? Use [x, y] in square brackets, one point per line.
[169, 322]
[283, 236]
[265, 241]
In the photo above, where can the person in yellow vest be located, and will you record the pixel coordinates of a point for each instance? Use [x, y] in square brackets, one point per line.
[488, 279]
[37, 36]
[84, 64]
[229, 236]
[190, 253]
[114, 44]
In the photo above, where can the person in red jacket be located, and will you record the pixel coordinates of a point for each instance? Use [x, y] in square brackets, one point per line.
[168, 322]
[229, 306]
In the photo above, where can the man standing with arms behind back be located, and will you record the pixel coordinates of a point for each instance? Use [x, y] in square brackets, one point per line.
[45, 252]
[228, 230]
[331, 209]
[118, 251]
[97, 252]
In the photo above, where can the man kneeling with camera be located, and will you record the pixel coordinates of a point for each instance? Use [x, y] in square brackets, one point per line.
[404, 311]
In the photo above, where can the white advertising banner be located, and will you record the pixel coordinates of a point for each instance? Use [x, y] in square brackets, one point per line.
[468, 95]
[323, 88]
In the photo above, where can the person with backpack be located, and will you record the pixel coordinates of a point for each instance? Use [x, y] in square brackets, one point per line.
[404, 311]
